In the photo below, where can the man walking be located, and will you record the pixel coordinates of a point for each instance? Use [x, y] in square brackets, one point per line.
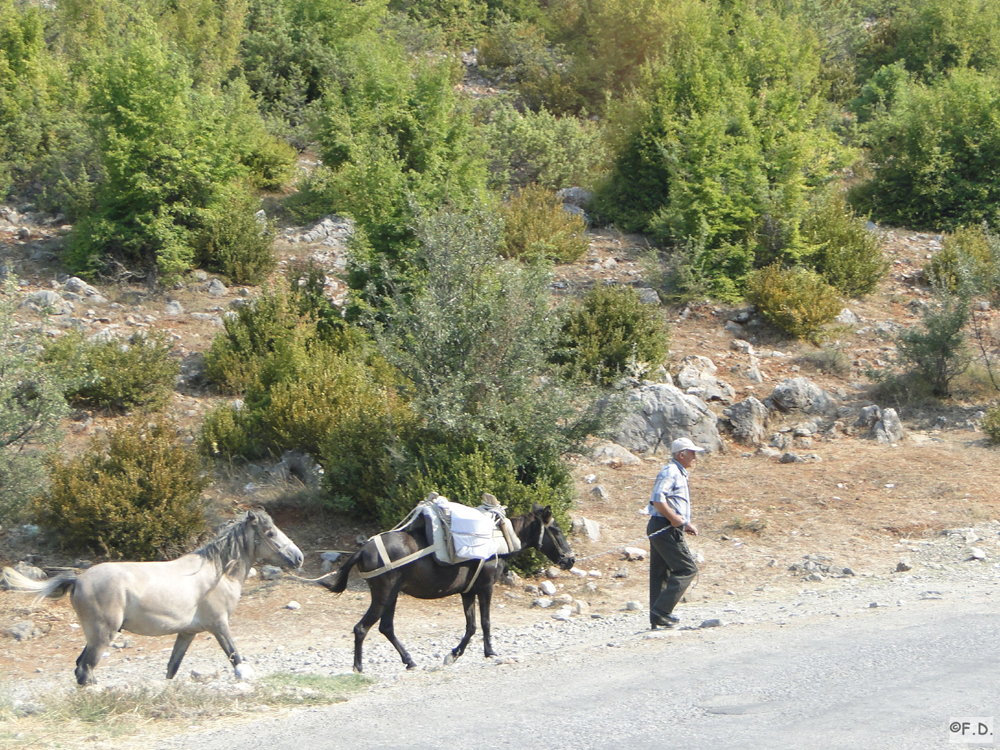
[671, 566]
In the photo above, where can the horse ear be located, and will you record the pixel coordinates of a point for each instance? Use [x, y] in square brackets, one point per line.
[544, 513]
[252, 517]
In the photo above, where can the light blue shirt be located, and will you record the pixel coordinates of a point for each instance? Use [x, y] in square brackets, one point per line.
[671, 489]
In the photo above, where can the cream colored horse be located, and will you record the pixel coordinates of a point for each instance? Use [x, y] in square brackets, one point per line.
[192, 594]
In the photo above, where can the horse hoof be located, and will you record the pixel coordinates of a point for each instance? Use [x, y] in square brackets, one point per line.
[450, 659]
[245, 672]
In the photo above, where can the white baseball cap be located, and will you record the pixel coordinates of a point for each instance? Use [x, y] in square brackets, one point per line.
[683, 444]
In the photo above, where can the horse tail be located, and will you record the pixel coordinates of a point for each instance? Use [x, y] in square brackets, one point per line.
[53, 588]
[337, 581]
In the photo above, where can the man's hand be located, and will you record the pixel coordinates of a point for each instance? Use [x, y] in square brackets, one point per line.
[690, 528]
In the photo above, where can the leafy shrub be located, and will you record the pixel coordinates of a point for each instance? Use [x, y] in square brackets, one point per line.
[137, 497]
[517, 51]
[795, 300]
[31, 408]
[937, 353]
[395, 138]
[968, 261]
[270, 327]
[991, 425]
[536, 227]
[116, 374]
[539, 147]
[610, 329]
[933, 37]
[692, 271]
[462, 472]
[928, 153]
[847, 255]
[361, 454]
[235, 242]
[725, 138]
[469, 344]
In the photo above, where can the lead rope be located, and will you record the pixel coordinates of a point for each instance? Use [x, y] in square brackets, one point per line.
[619, 549]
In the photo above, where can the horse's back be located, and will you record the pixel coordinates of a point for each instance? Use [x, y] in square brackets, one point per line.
[146, 598]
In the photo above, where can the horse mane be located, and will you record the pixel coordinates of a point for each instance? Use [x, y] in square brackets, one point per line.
[231, 543]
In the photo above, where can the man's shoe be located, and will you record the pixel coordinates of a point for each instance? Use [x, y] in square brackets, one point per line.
[673, 618]
[661, 622]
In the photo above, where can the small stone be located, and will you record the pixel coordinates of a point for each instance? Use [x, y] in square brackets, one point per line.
[547, 587]
[904, 565]
[293, 605]
[563, 614]
[713, 622]
[599, 492]
[635, 553]
[633, 606]
[269, 572]
[542, 602]
[977, 554]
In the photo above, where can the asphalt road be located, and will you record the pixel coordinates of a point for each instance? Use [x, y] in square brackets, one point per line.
[892, 678]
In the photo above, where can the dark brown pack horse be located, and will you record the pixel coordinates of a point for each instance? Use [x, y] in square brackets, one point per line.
[426, 579]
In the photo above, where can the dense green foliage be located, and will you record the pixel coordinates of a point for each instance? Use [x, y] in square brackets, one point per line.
[844, 252]
[610, 333]
[136, 497]
[537, 227]
[935, 153]
[937, 352]
[796, 300]
[31, 407]
[113, 373]
[968, 262]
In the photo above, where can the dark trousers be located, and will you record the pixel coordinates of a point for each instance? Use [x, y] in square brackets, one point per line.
[671, 566]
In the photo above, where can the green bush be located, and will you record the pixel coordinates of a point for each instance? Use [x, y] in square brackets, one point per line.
[968, 261]
[692, 271]
[116, 374]
[395, 138]
[937, 353]
[31, 408]
[725, 139]
[362, 451]
[537, 227]
[462, 472]
[538, 147]
[517, 52]
[269, 328]
[138, 497]
[469, 344]
[610, 331]
[796, 300]
[933, 37]
[847, 255]
[930, 151]
[235, 243]
[991, 425]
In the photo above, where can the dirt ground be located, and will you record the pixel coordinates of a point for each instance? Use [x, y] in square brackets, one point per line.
[861, 505]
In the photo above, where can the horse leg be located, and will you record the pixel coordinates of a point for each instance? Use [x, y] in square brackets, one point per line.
[180, 648]
[469, 605]
[243, 670]
[372, 616]
[485, 597]
[386, 628]
[99, 634]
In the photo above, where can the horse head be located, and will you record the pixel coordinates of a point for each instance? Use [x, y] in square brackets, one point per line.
[551, 540]
[273, 546]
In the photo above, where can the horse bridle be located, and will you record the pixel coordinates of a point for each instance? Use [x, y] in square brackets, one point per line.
[258, 535]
